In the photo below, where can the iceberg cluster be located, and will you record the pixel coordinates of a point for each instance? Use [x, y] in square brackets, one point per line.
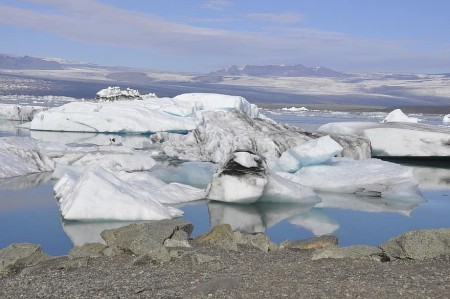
[229, 152]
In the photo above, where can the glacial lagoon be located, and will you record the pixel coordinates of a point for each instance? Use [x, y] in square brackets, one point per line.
[29, 212]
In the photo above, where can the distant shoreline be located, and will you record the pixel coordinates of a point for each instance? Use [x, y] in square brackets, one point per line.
[360, 108]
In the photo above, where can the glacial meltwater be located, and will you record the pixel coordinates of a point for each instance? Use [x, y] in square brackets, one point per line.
[30, 213]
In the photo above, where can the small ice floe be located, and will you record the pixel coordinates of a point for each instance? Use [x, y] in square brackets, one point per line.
[295, 109]
[116, 94]
[397, 115]
[446, 119]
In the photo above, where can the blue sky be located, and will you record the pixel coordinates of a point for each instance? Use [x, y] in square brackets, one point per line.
[205, 35]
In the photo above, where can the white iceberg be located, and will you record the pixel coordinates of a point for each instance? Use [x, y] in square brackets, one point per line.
[374, 178]
[397, 115]
[110, 117]
[19, 112]
[133, 115]
[216, 102]
[244, 178]
[312, 152]
[116, 94]
[295, 109]
[398, 139]
[446, 119]
[21, 156]
[101, 195]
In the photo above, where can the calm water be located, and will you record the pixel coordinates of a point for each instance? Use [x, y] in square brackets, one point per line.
[29, 212]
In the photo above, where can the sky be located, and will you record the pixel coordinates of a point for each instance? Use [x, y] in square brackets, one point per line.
[207, 35]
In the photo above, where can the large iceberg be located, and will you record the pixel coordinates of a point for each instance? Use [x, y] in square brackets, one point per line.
[21, 156]
[446, 119]
[221, 133]
[110, 117]
[179, 114]
[398, 139]
[99, 194]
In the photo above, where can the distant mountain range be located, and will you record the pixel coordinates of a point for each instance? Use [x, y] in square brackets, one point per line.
[27, 63]
[297, 70]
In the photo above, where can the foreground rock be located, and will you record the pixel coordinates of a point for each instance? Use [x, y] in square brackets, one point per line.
[210, 271]
[350, 252]
[310, 244]
[419, 245]
[18, 256]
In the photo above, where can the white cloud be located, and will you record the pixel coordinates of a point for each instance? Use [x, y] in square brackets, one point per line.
[281, 18]
[217, 4]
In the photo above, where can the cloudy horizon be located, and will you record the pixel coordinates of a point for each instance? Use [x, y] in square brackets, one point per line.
[205, 35]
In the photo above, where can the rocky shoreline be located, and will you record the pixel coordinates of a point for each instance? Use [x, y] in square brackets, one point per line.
[160, 260]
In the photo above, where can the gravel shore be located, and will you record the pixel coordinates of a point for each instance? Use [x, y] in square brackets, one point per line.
[246, 273]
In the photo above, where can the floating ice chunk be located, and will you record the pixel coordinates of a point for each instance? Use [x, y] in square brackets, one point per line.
[237, 183]
[312, 152]
[398, 139]
[110, 117]
[117, 94]
[214, 102]
[446, 119]
[361, 177]
[280, 189]
[19, 112]
[100, 195]
[397, 115]
[295, 109]
[21, 156]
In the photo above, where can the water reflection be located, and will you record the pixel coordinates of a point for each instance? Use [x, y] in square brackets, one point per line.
[316, 221]
[81, 232]
[366, 204]
[432, 177]
[253, 218]
[26, 181]
[129, 140]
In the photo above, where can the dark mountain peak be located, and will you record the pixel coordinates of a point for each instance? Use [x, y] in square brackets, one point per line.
[9, 62]
[276, 70]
